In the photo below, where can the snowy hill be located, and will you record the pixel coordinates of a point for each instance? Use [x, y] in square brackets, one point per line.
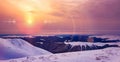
[103, 55]
[17, 48]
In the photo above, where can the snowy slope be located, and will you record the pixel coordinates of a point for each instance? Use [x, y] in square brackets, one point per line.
[103, 55]
[16, 48]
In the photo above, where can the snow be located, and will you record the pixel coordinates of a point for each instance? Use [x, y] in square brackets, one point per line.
[90, 43]
[110, 37]
[17, 48]
[103, 55]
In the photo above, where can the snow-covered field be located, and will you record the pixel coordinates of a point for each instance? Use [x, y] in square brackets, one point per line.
[17, 48]
[103, 55]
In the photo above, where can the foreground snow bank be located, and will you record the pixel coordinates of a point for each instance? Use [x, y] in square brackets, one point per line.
[17, 48]
[103, 55]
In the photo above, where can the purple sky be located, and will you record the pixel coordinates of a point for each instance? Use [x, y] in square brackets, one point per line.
[69, 16]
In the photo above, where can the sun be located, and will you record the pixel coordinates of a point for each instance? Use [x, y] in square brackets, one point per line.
[29, 22]
[29, 18]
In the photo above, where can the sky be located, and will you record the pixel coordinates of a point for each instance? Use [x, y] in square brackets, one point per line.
[59, 16]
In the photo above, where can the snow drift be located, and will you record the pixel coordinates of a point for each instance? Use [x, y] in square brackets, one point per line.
[17, 48]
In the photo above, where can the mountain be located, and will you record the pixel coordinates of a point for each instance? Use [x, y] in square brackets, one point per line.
[103, 55]
[61, 47]
[17, 48]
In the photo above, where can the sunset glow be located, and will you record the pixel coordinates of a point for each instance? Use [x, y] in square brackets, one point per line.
[65, 16]
[32, 9]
